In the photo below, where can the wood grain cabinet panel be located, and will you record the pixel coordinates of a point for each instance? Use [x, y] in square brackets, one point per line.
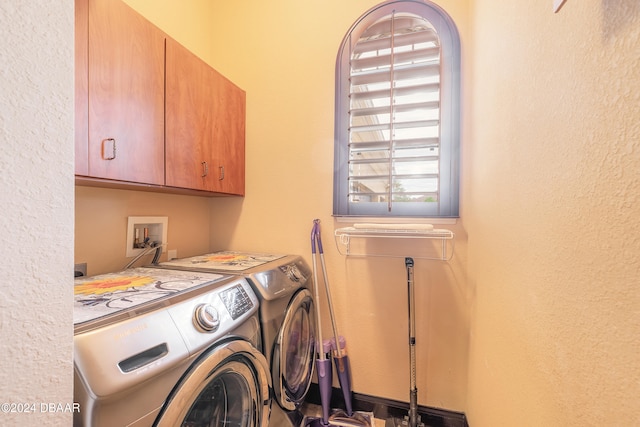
[125, 94]
[189, 118]
[82, 87]
[205, 125]
[229, 135]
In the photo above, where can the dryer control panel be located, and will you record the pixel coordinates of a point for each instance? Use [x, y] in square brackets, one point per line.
[285, 278]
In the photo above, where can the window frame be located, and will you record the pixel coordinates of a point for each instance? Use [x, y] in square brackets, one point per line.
[449, 172]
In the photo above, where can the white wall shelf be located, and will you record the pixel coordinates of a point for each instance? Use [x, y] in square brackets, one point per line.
[433, 244]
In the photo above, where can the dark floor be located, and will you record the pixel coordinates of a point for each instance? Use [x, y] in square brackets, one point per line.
[386, 409]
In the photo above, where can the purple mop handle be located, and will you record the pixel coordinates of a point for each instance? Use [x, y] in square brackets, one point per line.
[315, 237]
[314, 233]
[318, 238]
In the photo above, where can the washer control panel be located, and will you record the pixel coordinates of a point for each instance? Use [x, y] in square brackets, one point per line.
[236, 300]
[217, 311]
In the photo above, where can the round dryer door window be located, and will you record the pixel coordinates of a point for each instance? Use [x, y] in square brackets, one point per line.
[294, 354]
[227, 386]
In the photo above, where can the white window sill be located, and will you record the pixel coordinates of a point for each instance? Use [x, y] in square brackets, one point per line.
[394, 220]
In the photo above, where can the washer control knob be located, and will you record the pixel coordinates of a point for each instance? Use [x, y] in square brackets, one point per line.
[206, 317]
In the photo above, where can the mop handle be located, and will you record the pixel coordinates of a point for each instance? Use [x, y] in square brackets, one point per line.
[314, 232]
[330, 304]
[412, 319]
[413, 390]
[327, 288]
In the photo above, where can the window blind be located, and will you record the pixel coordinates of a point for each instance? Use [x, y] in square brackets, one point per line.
[397, 126]
[394, 110]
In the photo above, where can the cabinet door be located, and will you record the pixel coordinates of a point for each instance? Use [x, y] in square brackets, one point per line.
[126, 95]
[229, 135]
[81, 87]
[205, 125]
[189, 120]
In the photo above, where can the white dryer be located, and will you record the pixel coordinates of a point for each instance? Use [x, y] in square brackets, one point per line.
[168, 348]
[282, 284]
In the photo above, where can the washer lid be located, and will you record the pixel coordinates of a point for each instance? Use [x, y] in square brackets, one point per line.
[131, 292]
[272, 276]
[229, 261]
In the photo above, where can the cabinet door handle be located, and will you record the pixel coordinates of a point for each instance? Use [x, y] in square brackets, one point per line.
[109, 145]
[221, 173]
[205, 169]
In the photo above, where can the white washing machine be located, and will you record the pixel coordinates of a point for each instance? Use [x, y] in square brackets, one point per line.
[282, 284]
[168, 348]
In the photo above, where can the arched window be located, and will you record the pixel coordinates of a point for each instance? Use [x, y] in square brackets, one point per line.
[398, 113]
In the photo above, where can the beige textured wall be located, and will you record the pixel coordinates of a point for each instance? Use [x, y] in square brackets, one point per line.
[101, 225]
[283, 54]
[552, 180]
[36, 216]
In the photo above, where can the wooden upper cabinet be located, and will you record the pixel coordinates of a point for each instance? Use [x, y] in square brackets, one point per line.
[125, 94]
[149, 114]
[82, 87]
[205, 125]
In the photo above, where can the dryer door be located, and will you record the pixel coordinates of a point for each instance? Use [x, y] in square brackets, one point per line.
[294, 352]
[228, 385]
